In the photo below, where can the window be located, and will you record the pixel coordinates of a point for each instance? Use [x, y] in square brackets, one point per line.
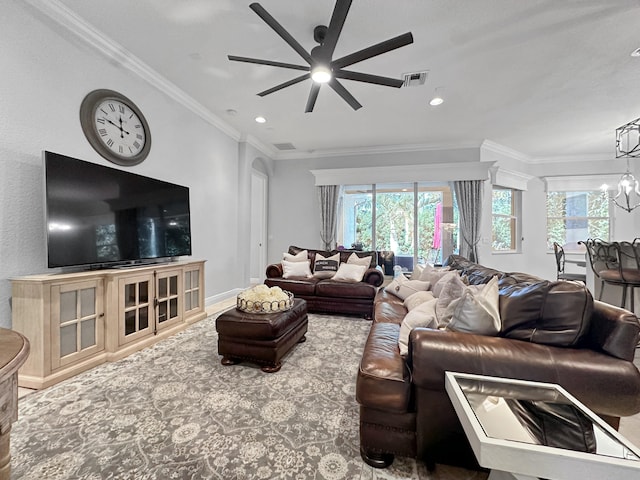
[409, 219]
[575, 216]
[505, 208]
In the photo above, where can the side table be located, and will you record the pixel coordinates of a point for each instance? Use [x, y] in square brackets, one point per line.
[14, 350]
[527, 430]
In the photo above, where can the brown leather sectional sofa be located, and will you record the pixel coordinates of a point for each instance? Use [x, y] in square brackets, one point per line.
[551, 332]
[329, 296]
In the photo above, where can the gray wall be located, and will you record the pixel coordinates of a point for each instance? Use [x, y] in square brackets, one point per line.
[46, 72]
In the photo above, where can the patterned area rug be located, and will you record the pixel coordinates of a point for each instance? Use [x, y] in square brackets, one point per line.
[172, 411]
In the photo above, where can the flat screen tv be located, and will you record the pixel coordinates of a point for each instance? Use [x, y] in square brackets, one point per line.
[99, 216]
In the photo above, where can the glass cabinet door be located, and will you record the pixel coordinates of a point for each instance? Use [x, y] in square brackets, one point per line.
[191, 290]
[136, 307]
[77, 321]
[168, 285]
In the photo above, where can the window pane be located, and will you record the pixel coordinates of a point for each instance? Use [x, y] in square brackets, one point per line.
[394, 222]
[576, 216]
[357, 214]
[429, 226]
[503, 233]
[502, 202]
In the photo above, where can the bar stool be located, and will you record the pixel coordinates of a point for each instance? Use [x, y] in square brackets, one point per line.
[610, 262]
[560, 261]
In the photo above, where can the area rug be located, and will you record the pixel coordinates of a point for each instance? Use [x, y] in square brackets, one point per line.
[172, 411]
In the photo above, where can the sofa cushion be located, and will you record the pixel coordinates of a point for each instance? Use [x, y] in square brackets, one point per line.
[552, 313]
[421, 316]
[296, 269]
[325, 267]
[333, 288]
[413, 301]
[371, 255]
[303, 287]
[350, 273]
[301, 256]
[476, 311]
[403, 288]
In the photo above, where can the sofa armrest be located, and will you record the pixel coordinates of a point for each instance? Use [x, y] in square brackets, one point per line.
[274, 270]
[614, 330]
[604, 383]
[374, 276]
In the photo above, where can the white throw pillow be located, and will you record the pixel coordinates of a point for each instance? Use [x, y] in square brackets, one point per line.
[296, 269]
[450, 288]
[477, 312]
[417, 299]
[298, 257]
[421, 316]
[355, 259]
[417, 271]
[402, 287]
[349, 272]
[326, 267]
[433, 274]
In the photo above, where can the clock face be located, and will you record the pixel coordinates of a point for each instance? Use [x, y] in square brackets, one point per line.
[115, 127]
[119, 128]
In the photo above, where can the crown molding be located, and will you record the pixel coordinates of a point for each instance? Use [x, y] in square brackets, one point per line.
[259, 145]
[494, 147]
[115, 52]
[509, 178]
[591, 157]
[379, 149]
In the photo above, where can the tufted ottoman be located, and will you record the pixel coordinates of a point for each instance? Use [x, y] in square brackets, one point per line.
[261, 338]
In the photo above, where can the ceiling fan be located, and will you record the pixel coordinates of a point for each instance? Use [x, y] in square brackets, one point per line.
[322, 67]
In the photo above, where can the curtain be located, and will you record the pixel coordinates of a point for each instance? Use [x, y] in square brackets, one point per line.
[468, 194]
[328, 195]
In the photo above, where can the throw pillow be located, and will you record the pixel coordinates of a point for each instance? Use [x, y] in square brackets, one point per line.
[296, 269]
[402, 287]
[444, 280]
[349, 272]
[417, 299]
[356, 260]
[326, 267]
[433, 274]
[298, 257]
[477, 312]
[450, 288]
[421, 316]
[417, 271]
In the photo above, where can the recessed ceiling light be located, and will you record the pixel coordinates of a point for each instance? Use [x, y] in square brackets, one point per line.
[261, 119]
[435, 101]
[636, 53]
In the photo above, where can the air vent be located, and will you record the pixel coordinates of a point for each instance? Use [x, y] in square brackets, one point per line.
[415, 79]
[284, 146]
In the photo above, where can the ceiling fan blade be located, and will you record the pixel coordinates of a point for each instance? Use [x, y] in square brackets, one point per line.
[346, 96]
[271, 63]
[338, 18]
[285, 84]
[368, 78]
[279, 29]
[373, 50]
[313, 95]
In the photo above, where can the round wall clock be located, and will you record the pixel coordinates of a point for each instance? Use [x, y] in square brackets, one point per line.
[115, 127]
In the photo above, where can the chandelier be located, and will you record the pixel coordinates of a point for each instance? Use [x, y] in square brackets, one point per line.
[628, 146]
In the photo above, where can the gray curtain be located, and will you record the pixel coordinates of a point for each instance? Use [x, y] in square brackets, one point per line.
[328, 195]
[468, 194]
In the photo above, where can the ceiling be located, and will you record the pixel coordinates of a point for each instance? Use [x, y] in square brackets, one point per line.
[546, 78]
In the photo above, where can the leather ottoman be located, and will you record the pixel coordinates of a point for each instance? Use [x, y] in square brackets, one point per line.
[261, 338]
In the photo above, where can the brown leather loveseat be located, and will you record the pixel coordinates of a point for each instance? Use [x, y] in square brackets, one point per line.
[329, 296]
[552, 331]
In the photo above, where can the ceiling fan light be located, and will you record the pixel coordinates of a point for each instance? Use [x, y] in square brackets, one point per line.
[320, 74]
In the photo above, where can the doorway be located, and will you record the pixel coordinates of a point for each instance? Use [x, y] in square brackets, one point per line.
[258, 235]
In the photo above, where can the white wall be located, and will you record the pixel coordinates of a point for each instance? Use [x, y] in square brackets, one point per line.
[46, 72]
[295, 218]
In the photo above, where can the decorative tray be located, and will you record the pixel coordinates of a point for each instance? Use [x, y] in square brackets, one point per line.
[264, 300]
